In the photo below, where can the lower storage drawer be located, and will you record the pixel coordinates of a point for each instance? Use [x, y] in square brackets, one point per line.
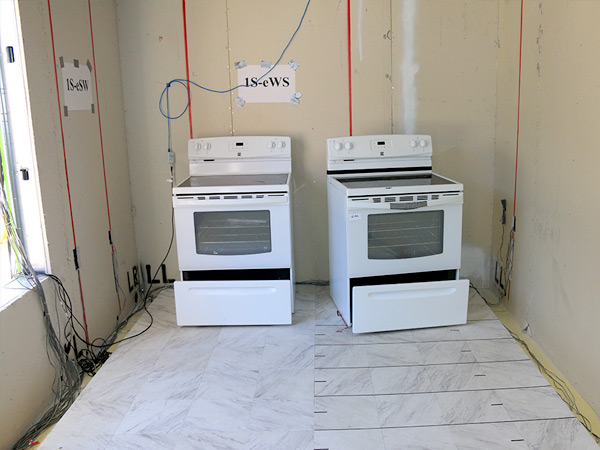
[412, 305]
[250, 302]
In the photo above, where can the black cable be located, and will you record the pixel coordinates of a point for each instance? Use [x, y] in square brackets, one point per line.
[144, 302]
[472, 286]
[560, 387]
[67, 380]
[313, 283]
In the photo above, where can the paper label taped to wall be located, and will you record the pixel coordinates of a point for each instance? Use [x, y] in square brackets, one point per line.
[77, 87]
[277, 87]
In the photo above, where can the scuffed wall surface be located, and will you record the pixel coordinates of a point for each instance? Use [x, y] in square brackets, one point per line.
[452, 87]
[555, 288]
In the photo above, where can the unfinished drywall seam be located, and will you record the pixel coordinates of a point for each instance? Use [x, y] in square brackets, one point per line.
[112, 246]
[187, 65]
[536, 149]
[409, 66]
[360, 21]
[390, 38]
[231, 129]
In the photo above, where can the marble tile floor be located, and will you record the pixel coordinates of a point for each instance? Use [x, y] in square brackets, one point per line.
[316, 385]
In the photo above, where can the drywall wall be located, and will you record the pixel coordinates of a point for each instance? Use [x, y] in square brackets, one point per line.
[83, 137]
[443, 61]
[555, 287]
[26, 376]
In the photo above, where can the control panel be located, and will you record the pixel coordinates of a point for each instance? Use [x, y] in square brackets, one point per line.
[383, 146]
[239, 147]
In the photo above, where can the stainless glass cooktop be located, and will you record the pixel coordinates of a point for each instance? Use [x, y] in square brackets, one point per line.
[389, 181]
[235, 180]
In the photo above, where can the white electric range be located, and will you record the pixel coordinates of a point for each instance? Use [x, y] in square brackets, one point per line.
[394, 235]
[234, 233]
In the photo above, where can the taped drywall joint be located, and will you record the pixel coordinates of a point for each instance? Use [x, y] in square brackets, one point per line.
[294, 65]
[265, 64]
[295, 100]
[239, 101]
[240, 64]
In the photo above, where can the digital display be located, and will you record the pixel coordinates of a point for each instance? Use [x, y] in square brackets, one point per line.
[239, 144]
[380, 142]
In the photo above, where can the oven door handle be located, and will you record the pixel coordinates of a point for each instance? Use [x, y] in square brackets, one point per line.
[279, 200]
[406, 206]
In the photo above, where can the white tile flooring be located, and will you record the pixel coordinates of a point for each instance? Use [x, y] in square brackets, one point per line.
[315, 385]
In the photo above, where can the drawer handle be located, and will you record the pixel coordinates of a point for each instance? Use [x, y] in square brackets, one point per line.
[402, 295]
[237, 292]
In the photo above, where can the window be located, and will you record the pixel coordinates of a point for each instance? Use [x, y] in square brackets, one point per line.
[20, 182]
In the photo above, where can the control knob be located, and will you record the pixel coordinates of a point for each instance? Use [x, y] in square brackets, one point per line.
[348, 145]
[423, 143]
[413, 143]
[337, 146]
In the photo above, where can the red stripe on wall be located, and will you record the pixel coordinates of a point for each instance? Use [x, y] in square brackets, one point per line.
[349, 71]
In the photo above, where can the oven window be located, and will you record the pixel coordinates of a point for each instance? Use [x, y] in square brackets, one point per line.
[405, 235]
[233, 232]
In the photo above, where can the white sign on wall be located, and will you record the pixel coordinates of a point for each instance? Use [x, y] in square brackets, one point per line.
[279, 86]
[77, 87]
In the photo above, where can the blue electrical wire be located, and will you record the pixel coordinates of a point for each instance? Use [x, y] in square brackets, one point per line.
[185, 83]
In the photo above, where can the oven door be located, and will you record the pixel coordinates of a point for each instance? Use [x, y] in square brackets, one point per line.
[404, 237]
[237, 231]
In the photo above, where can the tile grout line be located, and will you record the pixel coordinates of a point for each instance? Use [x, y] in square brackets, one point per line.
[400, 427]
[423, 365]
[416, 342]
[436, 392]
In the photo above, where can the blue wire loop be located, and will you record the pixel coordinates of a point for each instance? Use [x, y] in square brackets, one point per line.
[185, 83]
